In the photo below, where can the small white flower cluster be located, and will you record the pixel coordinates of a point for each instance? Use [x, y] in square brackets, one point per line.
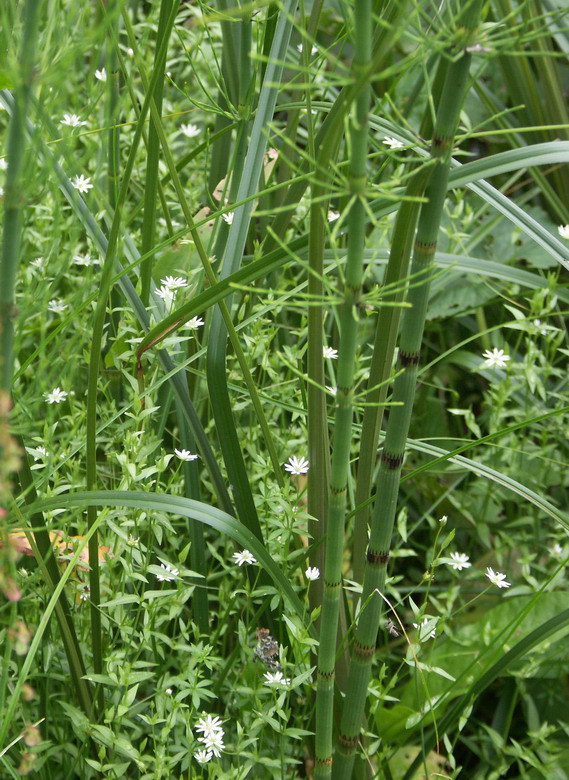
[169, 288]
[460, 561]
[212, 738]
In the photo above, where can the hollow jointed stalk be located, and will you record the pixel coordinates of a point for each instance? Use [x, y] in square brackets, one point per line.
[388, 481]
[348, 318]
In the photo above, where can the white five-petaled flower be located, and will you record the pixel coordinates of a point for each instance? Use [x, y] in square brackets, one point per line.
[43, 453]
[101, 75]
[72, 120]
[312, 573]
[174, 282]
[186, 455]
[85, 259]
[495, 358]
[421, 629]
[330, 352]
[244, 557]
[213, 742]
[209, 724]
[194, 323]
[203, 756]
[563, 231]
[496, 578]
[393, 143]
[56, 396]
[168, 573]
[39, 262]
[276, 678]
[166, 293]
[56, 306]
[229, 217]
[333, 215]
[190, 130]
[82, 183]
[297, 465]
[459, 561]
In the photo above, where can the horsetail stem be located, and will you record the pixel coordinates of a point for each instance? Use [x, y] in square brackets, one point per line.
[388, 481]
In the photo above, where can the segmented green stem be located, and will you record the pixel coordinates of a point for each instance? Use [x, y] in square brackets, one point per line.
[384, 511]
[14, 195]
[349, 317]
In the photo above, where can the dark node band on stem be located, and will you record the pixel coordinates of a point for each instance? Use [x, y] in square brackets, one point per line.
[392, 461]
[377, 557]
[409, 358]
[348, 744]
[363, 652]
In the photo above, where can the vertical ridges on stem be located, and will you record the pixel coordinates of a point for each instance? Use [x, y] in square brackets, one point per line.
[387, 487]
[342, 436]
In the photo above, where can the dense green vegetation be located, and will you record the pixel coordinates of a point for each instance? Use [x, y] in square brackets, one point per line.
[284, 389]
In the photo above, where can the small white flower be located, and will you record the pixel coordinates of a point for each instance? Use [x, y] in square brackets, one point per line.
[229, 217]
[276, 678]
[421, 629]
[209, 724]
[393, 143]
[496, 578]
[39, 262]
[244, 557]
[330, 352]
[312, 573]
[333, 215]
[3, 164]
[194, 323]
[85, 259]
[43, 453]
[82, 183]
[56, 396]
[297, 465]
[190, 130]
[130, 52]
[186, 455]
[459, 561]
[174, 282]
[85, 593]
[203, 756]
[313, 49]
[101, 75]
[556, 551]
[168, 574]
[563, 231]
[56, 306]
[495, 358]
[169, 691]
[213, 743]
[443, 519]
[72, 120]
[132, 541]
[166, 294]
